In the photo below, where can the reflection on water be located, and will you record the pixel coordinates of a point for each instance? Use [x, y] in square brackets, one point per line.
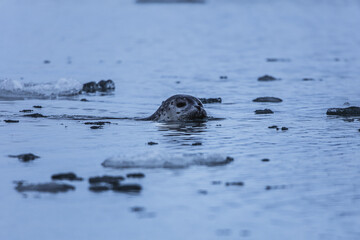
[306, 189]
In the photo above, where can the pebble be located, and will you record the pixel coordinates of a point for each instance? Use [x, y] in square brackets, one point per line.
[128, 188]
[97, 123]
[234, 184]
[96, 127]
[66, 176]
[267, 78]
[27, 157]
[114, 180]
[135, 175]
[268, 99]
[35, 115]
[349, 111]
[265, 111]
[11, 121]
[50, 187]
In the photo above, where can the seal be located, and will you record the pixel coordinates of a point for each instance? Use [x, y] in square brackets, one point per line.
[181, 108]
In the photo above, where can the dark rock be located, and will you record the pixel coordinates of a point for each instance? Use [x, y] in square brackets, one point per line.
[224, 162]
[216, 182]
[11, 121]
[35, 115]
[210, 100]
[26, 110]
[275, 187]
[265, 111]
[135, 175]
[66, 176]
[350, 111]
[268, 99]
[50, 187]
[265, 160]
[223, 77]
[129, 188]
[96, 127]
[308, 79]
[84, 100]
[137, 209]
[100, 123]
[197, 144]
[113, 180]
[90, 87]
[359, 130]
[234, 184]
[284, 128]
[278, 60]
[203, 192]
[37, 106]
[267, 78]
[273, 126]
[94, 188]
[46, 61]
[105, 86]
[25, 157]
[152, 143]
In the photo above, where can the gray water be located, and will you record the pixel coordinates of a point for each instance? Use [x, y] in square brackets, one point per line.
[152, 51]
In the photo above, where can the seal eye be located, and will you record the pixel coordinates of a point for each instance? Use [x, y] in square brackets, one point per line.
[181, 104]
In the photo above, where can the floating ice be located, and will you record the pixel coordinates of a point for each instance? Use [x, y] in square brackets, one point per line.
[18, 90]
[166, 160]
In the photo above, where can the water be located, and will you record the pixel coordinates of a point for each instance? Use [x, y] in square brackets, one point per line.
[153, 51]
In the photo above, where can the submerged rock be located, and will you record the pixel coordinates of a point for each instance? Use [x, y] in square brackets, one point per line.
[96, 127]
[267, 78]
[265, 111]
[268, 99]
[284, 128]
[273, 126]
[114, 180]
[349, 111]
[135, 175]
[210, 100]
[50, 187]
[129, 188]
[25, 157]
[35, 115]
[234, 184]
[11, 121]
[37, 106]
[265, 160]
[84, 100]
[100, 123]
[66, 176]
[26, 110]
[152, 143]
[96, 188]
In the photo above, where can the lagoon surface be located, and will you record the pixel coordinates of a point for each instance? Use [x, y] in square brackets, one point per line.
[309, 188]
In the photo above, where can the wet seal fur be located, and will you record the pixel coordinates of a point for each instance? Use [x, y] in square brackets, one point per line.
[181, 108]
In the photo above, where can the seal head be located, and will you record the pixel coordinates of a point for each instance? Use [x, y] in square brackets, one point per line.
[179, 108]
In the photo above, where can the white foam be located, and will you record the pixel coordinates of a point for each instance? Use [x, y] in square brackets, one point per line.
[165, 160]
